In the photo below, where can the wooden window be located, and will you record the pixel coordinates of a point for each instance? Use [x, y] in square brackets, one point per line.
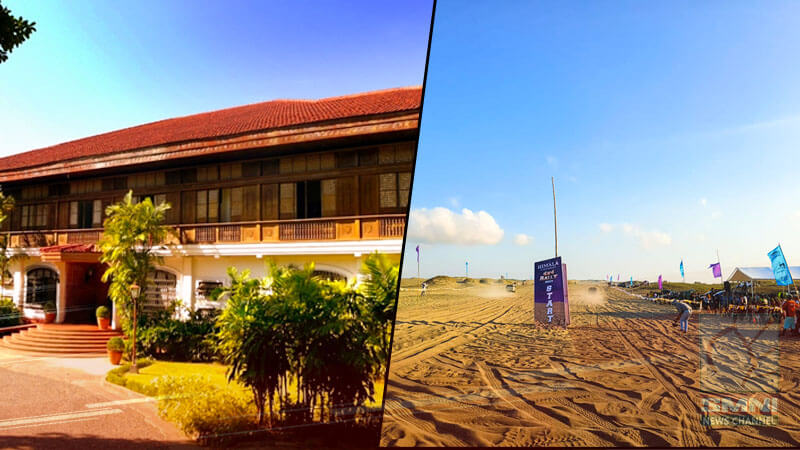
[173, 214]
[346, 160]
[201, 211]
[309, 201]
[285, 166]
[269, 202]
[188, 200]
[251, 169]
[403, 188]
[346, 196]
[209, 173]
[388, 190]
[328, 198]
[213, 205]
[25, 217]
[55, 190]
[97, 213]
[368, 194]
[231, 205]
[63, 215]
[236, 204]
[250, 203]
[270, 167]
[299, 164]
[386, 154]
[405, 152]
[230, 171]
[81, 214]
[173, 177]
[368, 157]
[189, 175]
[327, 161]
[312, 163]
[73, 214]
[288, 203]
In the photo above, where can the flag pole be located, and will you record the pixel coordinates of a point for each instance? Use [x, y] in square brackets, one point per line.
[555, 222]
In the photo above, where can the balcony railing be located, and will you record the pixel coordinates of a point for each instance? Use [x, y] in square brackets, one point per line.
[299, 230]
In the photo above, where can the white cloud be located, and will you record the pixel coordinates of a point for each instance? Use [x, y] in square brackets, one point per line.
[442, 226]
[704, 201]
[716, 214]
[454, 202]
[606, 227]
[552, 161]
[522, 239]
[647, 238]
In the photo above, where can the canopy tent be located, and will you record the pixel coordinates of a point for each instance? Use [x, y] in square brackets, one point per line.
[760, 274]
[753, 275]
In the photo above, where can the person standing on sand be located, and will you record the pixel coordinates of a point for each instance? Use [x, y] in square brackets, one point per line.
[789, 308]
[684, 311]
[424, 287]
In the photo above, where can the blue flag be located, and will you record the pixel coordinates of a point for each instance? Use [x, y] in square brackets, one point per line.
[631, 281]
[681, 268]
[779, 267]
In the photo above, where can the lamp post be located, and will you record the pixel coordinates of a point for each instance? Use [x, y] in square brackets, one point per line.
[135, 290]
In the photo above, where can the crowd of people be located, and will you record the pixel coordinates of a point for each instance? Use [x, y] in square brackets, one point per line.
[759, 309]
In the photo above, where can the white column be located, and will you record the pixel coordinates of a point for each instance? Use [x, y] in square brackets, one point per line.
[187, 283]
[19, 286]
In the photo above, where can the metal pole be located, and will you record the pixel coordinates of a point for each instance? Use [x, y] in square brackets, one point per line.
[555, 222]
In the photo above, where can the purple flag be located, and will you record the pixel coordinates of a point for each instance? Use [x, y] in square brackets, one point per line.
[660, 286]
[417, 253]
[717, 269]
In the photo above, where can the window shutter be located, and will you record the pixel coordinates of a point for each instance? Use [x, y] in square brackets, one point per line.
[250, 203]
[269, 202]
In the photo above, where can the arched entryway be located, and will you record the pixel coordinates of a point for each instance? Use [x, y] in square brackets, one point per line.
[162, 290]
[328, 275]
[41, 287]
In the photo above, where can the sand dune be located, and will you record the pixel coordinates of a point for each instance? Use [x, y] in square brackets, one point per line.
[469, 367]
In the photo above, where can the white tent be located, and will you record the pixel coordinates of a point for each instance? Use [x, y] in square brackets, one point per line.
[760, 274]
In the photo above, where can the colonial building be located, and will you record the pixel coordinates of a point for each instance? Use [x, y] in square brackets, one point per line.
[295, 181]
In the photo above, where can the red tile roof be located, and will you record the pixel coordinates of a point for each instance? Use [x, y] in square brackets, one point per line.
[225, 122]
[70, 248]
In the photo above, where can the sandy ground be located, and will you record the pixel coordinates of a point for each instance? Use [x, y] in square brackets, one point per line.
[469, 367]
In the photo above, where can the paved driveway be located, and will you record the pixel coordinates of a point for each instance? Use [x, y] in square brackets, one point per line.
[64, 403]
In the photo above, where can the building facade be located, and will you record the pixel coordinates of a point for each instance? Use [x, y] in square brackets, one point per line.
[292, 181]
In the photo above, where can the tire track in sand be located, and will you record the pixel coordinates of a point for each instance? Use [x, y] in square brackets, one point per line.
[438, 345]
[519, 403]
[691, 435]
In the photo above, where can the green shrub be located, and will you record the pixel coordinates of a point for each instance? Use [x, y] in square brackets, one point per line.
[10, 315]
[117, 376]
[116, 344]
[170, 339]
[103, 312]
[203, 409]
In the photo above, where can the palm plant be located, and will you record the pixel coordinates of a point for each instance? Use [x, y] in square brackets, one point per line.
[132, 233]
[380, 292]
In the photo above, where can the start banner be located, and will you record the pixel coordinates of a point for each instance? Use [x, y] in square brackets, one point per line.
[550, 300]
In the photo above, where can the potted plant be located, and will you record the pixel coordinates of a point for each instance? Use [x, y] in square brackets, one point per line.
[103, 317]
[115, 347]
[49, 312]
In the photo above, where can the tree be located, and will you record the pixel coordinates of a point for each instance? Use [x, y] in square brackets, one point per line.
[13, 32]
[380, 291]
[6, 206]
[250, 340]
[132, 232]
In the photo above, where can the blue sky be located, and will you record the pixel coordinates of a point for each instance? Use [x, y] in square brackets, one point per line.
[671, 128]
[97, 66]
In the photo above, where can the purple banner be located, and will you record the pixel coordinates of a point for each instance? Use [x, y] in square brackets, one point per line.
[550, 300]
